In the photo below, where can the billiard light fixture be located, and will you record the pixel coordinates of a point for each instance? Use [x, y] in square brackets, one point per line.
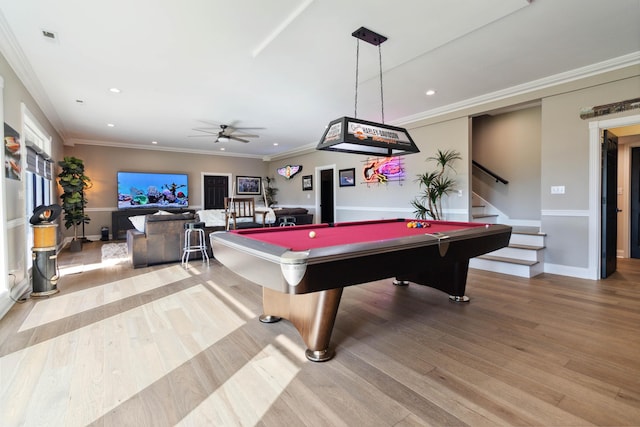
[352, 135]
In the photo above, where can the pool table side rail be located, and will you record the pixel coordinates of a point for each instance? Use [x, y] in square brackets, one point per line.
[346, 265]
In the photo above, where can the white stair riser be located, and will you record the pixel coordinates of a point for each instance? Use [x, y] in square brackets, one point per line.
[520, 253]
[491, 219]
[507, 267]
[477, 210]
[527, 239]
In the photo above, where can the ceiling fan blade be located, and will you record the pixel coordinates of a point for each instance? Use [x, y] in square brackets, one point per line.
[211, 123]
[201, 136]
[245, 135]
[238, 139]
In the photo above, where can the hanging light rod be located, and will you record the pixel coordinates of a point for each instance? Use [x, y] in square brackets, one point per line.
[352, 135]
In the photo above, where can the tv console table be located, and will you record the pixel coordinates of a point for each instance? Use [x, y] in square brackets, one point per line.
[120, 219]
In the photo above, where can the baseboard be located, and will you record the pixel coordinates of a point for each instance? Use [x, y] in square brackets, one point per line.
[8, 298]
[564, 270]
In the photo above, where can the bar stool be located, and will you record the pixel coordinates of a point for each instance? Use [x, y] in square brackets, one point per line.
[287, 221]
[197, 245]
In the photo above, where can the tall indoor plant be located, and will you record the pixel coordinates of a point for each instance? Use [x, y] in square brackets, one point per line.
[435, 184]
[270, 192]
[73, 182]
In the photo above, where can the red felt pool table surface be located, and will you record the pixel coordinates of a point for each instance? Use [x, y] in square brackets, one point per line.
[297, 238]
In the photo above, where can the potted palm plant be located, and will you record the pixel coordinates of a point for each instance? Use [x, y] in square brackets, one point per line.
[434, 185]
[73, 182]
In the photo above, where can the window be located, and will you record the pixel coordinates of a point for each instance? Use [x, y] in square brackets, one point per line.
[38, 174]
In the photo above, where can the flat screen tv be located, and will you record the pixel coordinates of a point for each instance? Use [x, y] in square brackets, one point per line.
[152, 190]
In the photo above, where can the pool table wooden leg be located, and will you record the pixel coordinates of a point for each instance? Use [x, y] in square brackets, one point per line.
[312, 314]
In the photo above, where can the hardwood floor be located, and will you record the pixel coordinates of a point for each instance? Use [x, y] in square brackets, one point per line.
[164, 346]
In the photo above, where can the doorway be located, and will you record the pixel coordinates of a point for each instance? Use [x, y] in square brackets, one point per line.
[325, 201]
[214, 189]
[596, 129]
[634, 207]
[609, 211]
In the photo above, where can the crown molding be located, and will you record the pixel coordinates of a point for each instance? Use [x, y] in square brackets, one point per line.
[73, 142]
[535, 85]
[18, 61]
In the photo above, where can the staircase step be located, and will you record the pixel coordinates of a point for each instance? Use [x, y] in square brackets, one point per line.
[485, 218]
[522, 252]
[505, 265]
[523, 229]
[527, 247]
[527, 238]
[508, 260]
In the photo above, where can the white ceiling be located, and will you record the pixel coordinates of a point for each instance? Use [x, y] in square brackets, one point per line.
[288, 66]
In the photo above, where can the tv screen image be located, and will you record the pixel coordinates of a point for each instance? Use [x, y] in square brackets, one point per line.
[149, 190]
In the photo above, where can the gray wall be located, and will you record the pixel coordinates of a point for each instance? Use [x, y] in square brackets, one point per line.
[562, 157]
[565, 161]
[509, 145]
[102, 163]
[386, 200]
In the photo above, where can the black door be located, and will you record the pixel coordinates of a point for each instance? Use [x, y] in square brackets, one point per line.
[635, 203]
[326, 196]
[609, 210]
[216, 188]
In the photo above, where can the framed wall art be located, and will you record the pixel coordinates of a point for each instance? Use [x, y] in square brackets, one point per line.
[248, 185]
[307, 183]
[347, 177]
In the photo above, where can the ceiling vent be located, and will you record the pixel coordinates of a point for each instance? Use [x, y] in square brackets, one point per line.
[49, 35]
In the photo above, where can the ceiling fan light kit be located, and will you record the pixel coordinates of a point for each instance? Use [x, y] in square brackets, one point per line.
[352, 135]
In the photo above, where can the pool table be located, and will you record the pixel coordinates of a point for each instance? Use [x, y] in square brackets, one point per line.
[303, 269]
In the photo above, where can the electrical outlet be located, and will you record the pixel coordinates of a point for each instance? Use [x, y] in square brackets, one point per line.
[557, 189]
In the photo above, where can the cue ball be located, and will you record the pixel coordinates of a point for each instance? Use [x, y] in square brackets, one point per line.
[312, 234]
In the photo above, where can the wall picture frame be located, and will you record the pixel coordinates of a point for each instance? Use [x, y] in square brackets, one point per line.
[307, 183]
[248, 185]
[347, 177]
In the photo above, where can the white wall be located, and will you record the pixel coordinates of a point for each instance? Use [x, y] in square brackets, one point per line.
[13, 240]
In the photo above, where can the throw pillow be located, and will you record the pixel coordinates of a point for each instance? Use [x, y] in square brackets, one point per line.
[138, 222]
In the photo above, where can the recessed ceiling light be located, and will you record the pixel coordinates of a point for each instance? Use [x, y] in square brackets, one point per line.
[154, 142]
[275, 144]
[222, 148]
[114, 90]
[430, 92]
[111, 125]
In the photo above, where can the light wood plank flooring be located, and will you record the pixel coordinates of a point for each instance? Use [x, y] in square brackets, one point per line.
[164, 346]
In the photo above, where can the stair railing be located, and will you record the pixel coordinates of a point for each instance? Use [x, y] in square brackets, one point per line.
[494, 175]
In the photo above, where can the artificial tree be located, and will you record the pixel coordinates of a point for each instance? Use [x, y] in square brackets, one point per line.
[73, 182]
[270, 192]
[434, 185]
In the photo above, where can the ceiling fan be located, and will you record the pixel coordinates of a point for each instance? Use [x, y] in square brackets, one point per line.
[224, 133]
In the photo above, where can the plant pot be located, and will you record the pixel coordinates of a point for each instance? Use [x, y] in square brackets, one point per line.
[75, 245]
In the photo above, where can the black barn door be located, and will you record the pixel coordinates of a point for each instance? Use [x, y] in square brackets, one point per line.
[609, 210]
[635, 203]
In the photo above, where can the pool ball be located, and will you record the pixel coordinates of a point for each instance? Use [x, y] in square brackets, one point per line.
[312, 234]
